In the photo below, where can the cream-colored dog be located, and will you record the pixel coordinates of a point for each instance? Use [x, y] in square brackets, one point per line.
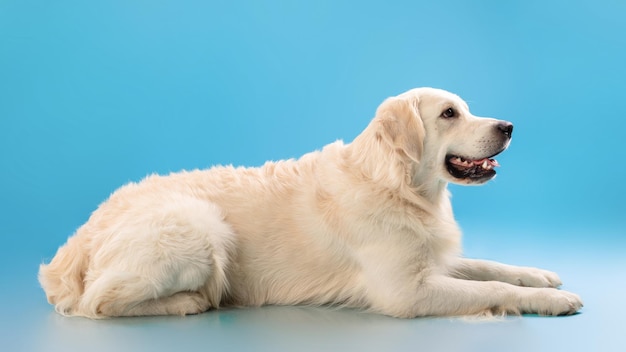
[366, 224]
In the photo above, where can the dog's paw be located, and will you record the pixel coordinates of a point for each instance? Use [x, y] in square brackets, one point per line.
[186, 303]
[533, 277]
[554, 302]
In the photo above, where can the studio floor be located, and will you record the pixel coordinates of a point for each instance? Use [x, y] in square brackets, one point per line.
[595, 272]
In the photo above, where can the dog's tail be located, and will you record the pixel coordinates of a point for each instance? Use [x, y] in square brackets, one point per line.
[62, 279]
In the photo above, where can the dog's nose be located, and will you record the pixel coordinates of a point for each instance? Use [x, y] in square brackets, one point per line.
[506, 128]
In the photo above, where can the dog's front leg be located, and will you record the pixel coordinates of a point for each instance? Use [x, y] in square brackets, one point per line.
[445, 296]
[485, 270]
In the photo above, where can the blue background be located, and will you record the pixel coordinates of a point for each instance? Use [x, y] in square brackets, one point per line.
[94, 94]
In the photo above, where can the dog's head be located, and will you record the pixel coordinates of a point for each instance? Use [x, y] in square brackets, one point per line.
[434, 130]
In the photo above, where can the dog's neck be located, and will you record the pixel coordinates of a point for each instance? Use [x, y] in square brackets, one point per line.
[425, 182]
[372, 157]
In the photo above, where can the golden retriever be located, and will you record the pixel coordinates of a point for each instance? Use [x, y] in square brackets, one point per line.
[367, 224]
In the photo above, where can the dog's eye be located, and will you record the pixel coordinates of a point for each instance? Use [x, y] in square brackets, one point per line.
[448, 113]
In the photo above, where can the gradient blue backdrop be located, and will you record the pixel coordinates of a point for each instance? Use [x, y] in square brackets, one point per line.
[94, 94]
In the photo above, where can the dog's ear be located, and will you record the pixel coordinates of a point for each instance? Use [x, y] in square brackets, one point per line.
[402, 126]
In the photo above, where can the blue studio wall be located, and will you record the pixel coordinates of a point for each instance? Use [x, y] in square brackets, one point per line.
[94, 94]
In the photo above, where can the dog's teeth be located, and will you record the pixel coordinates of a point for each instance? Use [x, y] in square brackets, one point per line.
[485, 164]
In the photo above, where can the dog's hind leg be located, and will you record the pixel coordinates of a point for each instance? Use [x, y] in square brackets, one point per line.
[181, 303]
[123, 294]
[120, 294]
[173, 262]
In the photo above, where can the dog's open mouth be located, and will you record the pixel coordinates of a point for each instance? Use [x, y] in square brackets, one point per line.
[464, 168]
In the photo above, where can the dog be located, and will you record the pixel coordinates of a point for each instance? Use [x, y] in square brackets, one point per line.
[367, 224]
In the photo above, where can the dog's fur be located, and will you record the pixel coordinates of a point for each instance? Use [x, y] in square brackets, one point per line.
[367, 224]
